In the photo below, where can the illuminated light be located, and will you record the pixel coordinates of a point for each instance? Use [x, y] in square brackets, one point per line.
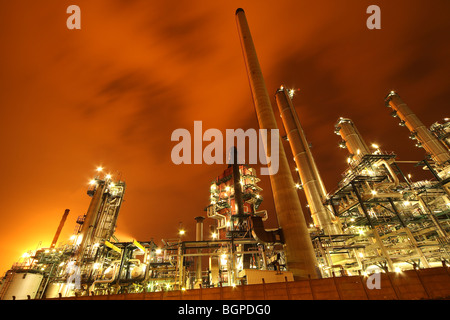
[93, 181]
[409, 175]
[364, 274]
[406, 203]
[358, 151]
[99, 169]
[296, 169]
[167, 286]
[214, 235]
[108, 176]
[349, 160]
[181, 232]
[352, 219]
[228, 224]
[291, 93]
[361, 255]
[47, 251]
[361, 232]
[112, 185]
[257, 197]
[61, 264]
[233, 285]
[375, 146]
[227, 188]
[183, 289]
[281, 88]
[297, 186]
[311, 225]
[158, 251]
[398, 270]
[213, 186]
[374, 192]
[72, 237]
[96, 266]
[26, 255]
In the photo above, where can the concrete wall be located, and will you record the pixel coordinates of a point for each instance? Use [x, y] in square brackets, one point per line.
[431, 283]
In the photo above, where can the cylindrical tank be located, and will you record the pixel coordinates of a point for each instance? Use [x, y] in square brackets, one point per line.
[22, 285]
[311, 180]
[301, 260]
[353, 140]
[53, 289]
[137, 271]
[427, 140]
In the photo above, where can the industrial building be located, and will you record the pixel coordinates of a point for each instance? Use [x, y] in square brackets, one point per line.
[376, 220]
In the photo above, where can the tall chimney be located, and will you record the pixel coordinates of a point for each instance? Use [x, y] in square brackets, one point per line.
[300, 257]
[61, 225]
[312, 183]
[429, 142]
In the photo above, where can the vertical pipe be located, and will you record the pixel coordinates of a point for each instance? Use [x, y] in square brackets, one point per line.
[199, 237]
[301, 260]
[61, 225]
[312, 183]
[430, 143]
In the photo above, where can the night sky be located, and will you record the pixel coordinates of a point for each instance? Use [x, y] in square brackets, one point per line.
[112, 93]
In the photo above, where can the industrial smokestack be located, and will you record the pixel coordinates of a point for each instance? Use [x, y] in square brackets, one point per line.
[352, 139]
[312, 183]
[427, 140]
[61, 225]
[299, 251]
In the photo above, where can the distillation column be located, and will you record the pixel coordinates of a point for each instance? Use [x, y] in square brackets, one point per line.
[352, 138]
[428, 141]
[312, 183]
[90, 220]
[299, 250]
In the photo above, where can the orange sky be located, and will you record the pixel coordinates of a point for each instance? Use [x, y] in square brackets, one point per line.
[112, 93]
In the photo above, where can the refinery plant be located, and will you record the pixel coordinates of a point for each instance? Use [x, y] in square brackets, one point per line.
[377, 218]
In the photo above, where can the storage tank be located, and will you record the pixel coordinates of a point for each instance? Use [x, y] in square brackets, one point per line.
[53, 289]
[22, 285]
